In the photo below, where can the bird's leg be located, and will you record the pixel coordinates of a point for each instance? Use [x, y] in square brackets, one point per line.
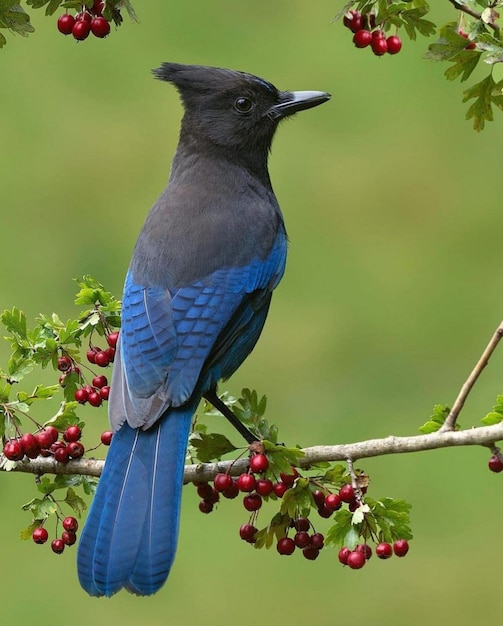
[213, 399]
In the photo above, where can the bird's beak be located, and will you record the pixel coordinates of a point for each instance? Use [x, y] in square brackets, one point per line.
[291, 102]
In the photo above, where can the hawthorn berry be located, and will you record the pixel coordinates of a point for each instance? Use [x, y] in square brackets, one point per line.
[222, 482]
[111, 354]
[112, 339]
[472, 45]
[65, 23]
[105, 392]
[355, 21]
[362, 38]
[384, 550]
[286, 546]
[302, 523]
[106, 438]
[496, 464]
[99, 381]
[252, 502]
[206, 506]
[75, 449]
[279, 489]
[347, 493]
[302, 539]
[61, 454]
[289, 479]
[205, 491]
[40, 535]
[64, 363]
[91, 355]
[247, 532]
[401, 547]
[81, 29]
[81, 395]
[57, 546]
[264, 486]
[12, 450]
[71, 524]
[102, 358]
[232, 490]
[365, 549]
[317, 541]
[97, 8]
[68, 537]
[333, 501]
[258, 463]
[394, 44]
[379, 46]
[319, 498]
[324, 511]
[343, 555]
[84, 16]
[46, 437]
[246, 482]
[72, 433]
[310, 553]
[94, 398]
[30, 445]
[356, 560]
[100, 27]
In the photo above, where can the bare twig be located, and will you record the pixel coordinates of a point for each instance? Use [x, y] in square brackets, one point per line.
[450, 420]
[483, 436]
[464, 8]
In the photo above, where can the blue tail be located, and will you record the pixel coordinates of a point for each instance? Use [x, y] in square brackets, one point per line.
[131, 532]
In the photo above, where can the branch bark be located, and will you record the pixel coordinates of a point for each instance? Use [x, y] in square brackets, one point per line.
[202, 472]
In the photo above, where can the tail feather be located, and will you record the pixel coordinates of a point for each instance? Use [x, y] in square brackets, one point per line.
[131, 532]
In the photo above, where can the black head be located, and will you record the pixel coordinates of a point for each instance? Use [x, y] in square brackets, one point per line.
[235, 111]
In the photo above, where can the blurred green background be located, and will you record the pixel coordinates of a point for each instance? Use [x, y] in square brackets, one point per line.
[393, 287]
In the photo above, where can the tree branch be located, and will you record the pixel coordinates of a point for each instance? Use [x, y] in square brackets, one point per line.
[202, 472]
[461, 6]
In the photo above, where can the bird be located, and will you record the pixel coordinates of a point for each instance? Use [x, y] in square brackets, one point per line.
[195, 299]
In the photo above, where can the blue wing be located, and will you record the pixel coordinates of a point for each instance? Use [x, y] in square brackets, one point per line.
[170, 337]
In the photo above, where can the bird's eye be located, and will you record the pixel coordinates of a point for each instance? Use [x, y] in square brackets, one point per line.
[243, 105]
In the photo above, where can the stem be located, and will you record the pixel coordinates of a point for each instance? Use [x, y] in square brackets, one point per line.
[460, 6]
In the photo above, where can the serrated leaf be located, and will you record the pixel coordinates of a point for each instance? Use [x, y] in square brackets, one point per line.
[492, 418]
[211, 447]
[481, 110]
[336, 475]
[65, 416]
[45, 485]
[26, 533]
[41, 508]
[75, 501]
[464, 64]
[297, 501]
[15, 322]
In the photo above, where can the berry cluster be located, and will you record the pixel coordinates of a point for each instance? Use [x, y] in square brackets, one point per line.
[68, 536]
[87, 21]
[356, 559]
[366, 34]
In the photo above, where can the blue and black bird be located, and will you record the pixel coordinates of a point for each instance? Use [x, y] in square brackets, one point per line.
[195, 300]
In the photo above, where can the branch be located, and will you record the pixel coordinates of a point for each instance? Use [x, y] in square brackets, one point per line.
[202, 472]
[461, 6]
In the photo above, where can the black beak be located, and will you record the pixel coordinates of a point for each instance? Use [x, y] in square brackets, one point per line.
[293, 101]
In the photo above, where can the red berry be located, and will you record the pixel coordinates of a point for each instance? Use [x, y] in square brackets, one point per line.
[206, 506]
[279, 489]
[378, 34]
[81, 395]
[61, 454]
[355, 21]
[65, 23]
[97, 8]
[111, 354]
[91, 354]
[317, 541]
[353, 505]
[286, 546]
[101, 358]
[258, 463]
[94, 399]
[84, 16]
[247, 533]
[105, 392]
[222, 482]
[252, 502]
[68, 537]
[205, 491]
[362, 38]
[356, 560]
[264, 486]
[100, 381]
[112, 339]
[310, 553]
[347, 493]
[401, 547]
[333, 501]
[384, 550]
[324, 511]
[71, 524]
[365, 549]
[57, 546]
[100, 27]
[47, 437]
[379, 46]
[81, 29]
[64, 363]
[319, 498]
[289, 479]
[302, 539]
[72, 433]
[495, 464]
[75, 449]
[12, 450]
[302, 523]
[232, 491]
[106, 438]
[246, 482]
[471, 45]
[30, 445]
[394, 44]
[40, 535]
[343, 555]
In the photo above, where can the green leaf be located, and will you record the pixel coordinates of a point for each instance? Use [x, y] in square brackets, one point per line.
[65, 416]
[465, 62]
[26, 533]
[18, 368]
[211, 447]
[15, 322]
[342, 531]
[485, 96]
[297, 501]
[41, 508]
[492, 418]
[75, 501]
[440, 413]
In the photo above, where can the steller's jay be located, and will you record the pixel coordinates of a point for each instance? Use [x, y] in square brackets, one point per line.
[195, 300]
